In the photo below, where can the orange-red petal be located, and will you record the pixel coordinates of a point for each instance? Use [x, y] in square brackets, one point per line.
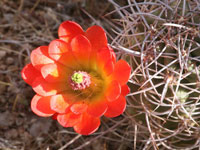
[29, 73]
[113, 91]
[121, 72]
[79, 107]
[116, 108]
[60, 51]
[105, 60]
[54, 116]
[97, 37]
[68, 30]
[81, 48]
[87, 125]
[125, 90]
[98, 107]
[68, 120]
[40, 57]
[57, 48]
[55, 72]
[41, 87]
[41, 106]
[104, 55]
[112, 55]
[109, 68]
[59, 103]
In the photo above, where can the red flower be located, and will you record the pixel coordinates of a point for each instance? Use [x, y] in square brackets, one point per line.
[77, 78]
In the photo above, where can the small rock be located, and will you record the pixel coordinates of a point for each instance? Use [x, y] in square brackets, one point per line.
[26, 136]
[19, 121]
[2, 54]
[11, 134]
[2, 66]
[9, 61]
[6, 119]
[13, 89]
[97, 145]
[40, 126]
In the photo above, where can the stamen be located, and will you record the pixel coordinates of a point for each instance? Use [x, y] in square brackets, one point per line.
[79, 80]
[77, 77]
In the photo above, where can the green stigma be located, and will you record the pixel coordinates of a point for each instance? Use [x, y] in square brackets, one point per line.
[77, 77]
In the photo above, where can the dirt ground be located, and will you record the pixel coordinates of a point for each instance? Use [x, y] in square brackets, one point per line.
[25, 25]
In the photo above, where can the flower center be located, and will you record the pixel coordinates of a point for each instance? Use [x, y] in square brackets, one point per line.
[79, 80]
[77, 77]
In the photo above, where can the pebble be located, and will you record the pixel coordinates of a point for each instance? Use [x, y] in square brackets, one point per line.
[2, 66]
[2, 54]
[9, 61]
[11, 134]
[6, 120]
[39, 127]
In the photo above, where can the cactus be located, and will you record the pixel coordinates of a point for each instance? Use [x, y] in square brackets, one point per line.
[161, 41]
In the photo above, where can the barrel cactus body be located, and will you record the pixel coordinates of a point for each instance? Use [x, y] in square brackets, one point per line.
[161, 41]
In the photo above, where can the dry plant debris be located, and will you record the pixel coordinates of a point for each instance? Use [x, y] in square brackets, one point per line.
[160, 39]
